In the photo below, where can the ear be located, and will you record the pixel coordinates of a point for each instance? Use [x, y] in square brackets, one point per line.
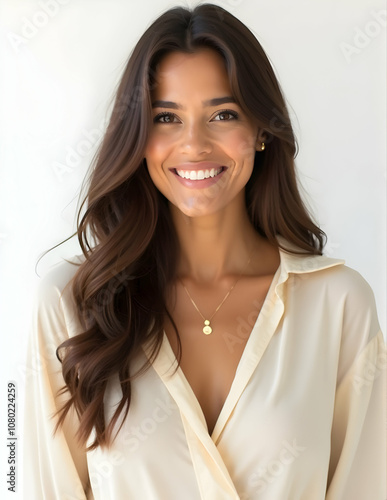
[260, 142]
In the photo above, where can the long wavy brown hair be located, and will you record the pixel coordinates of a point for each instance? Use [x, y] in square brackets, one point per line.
[125, 232]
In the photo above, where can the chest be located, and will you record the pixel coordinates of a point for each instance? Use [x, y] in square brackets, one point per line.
[209, 362]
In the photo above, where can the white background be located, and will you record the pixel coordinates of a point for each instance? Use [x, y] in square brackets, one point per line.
[57, 83]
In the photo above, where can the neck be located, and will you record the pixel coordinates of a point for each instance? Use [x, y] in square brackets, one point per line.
[215, 245]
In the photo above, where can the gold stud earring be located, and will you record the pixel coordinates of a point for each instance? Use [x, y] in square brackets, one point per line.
[262, 146]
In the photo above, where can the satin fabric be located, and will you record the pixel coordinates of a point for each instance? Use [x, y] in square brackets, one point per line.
[305, 418]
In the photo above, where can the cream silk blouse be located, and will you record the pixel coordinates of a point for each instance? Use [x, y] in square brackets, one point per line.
[305, 418]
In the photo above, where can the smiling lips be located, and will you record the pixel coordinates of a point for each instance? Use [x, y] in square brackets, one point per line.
[202, 171]
[198, 175]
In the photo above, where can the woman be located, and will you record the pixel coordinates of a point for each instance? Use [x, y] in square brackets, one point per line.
[206, 348]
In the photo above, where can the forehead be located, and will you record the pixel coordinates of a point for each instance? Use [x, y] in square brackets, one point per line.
[199, 73]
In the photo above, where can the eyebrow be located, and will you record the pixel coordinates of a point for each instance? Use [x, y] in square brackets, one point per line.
[211, 102]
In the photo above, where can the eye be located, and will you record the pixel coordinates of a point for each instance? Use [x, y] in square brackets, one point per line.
[225, 115]
[165, 117]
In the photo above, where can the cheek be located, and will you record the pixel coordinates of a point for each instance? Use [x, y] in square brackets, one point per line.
[154, 155]
[241, 148]
[241, 145]
[153, 151]
[157, 153]
[159, 143]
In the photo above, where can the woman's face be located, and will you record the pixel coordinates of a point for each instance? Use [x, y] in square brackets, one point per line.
[201, 149]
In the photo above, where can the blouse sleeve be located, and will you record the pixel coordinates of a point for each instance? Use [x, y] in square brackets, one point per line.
[54, 465]
[358, 464]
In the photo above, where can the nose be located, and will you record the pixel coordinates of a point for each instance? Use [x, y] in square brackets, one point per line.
[195, 140]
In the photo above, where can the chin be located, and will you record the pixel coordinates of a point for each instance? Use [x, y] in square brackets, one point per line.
[196, 209]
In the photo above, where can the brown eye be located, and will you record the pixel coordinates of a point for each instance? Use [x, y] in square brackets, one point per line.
[165, 117]
[226, 115]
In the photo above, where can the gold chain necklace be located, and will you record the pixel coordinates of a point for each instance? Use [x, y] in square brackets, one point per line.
[207, 329]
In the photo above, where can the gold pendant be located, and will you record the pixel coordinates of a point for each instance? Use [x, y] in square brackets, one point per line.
[207, 329]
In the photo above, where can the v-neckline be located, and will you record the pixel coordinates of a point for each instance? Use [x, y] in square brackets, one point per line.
[251, 355]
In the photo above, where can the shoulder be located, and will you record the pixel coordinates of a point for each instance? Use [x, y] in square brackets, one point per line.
[331, 287]
[53, 300]
[355, 300]
[327, 274]
[345, 283]
[55, 282]
[352, 296]
[59, 275]
[351, 304]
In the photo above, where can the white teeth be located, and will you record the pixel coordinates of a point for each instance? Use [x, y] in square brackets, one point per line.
[197, 175]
